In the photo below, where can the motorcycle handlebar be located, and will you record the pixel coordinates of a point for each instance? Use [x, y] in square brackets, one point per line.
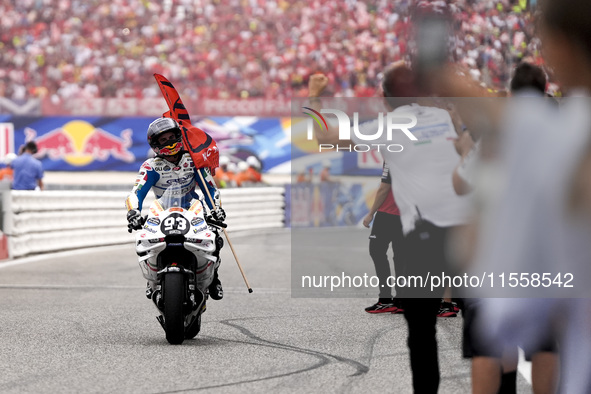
[216, 223]
[209, 220]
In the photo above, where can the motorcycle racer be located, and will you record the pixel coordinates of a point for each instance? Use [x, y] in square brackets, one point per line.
[173, 165]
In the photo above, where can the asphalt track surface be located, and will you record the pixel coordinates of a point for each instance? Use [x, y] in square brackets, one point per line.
[80, 323]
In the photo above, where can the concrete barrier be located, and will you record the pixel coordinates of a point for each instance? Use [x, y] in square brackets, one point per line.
[39, 222]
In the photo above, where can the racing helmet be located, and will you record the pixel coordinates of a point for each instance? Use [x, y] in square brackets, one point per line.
[243, 166]
[232, 168]
[224, 160]
[159, 127]
[253, 162]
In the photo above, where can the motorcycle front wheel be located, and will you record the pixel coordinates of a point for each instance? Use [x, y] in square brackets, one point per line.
[174, 294]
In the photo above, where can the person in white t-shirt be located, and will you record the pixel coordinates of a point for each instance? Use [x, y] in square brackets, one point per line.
[429, 207]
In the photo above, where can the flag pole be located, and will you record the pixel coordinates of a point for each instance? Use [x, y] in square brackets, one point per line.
[226, 234]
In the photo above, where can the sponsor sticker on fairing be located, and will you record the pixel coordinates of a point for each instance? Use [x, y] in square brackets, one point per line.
[153, 221]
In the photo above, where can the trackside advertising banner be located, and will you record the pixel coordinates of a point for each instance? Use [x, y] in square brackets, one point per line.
[328, 204]
[93, 143]
[84, 144]
[98, 143]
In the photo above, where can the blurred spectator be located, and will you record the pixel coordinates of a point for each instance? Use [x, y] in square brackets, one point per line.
[28, 171]
[229, 49]
[251, 175]
[231, 172]
[255, 165]
[241, 173]
[325, 172]
[7, 172]
[302, 177]
[221, 176]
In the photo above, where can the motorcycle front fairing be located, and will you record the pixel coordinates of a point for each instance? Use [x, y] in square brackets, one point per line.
[173, 234]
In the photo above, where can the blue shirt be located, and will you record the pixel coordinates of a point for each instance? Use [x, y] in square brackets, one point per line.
[27, 170]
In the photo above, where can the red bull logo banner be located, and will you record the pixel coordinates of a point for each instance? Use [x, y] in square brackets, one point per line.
[86, 144]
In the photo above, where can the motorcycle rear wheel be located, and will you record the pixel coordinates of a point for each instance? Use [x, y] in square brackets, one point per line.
[174, 294]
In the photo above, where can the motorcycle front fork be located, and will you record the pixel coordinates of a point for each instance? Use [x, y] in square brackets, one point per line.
[156, 295]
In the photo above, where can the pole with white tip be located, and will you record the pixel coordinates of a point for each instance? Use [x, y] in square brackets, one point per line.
[226, 234]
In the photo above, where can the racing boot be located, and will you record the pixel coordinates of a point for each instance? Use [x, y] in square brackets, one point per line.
[215, 288]
[149, 291]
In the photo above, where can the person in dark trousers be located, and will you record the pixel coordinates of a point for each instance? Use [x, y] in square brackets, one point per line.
[386, 230]
[429, 207]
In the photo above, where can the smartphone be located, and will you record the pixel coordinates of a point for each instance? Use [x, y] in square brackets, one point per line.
[432, 39]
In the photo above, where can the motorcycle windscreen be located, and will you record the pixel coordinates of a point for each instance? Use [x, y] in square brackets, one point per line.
[172, 197]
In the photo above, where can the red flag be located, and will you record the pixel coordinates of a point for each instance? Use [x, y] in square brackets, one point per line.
[202, 148]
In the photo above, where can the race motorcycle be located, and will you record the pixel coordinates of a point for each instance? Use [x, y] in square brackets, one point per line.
[176, 251]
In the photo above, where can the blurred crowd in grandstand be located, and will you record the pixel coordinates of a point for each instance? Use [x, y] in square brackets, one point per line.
[66, 49]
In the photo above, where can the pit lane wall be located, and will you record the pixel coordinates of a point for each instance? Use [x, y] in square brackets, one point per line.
[47, 221]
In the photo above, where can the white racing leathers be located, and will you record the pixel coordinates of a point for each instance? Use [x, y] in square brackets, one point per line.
[158, 174]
